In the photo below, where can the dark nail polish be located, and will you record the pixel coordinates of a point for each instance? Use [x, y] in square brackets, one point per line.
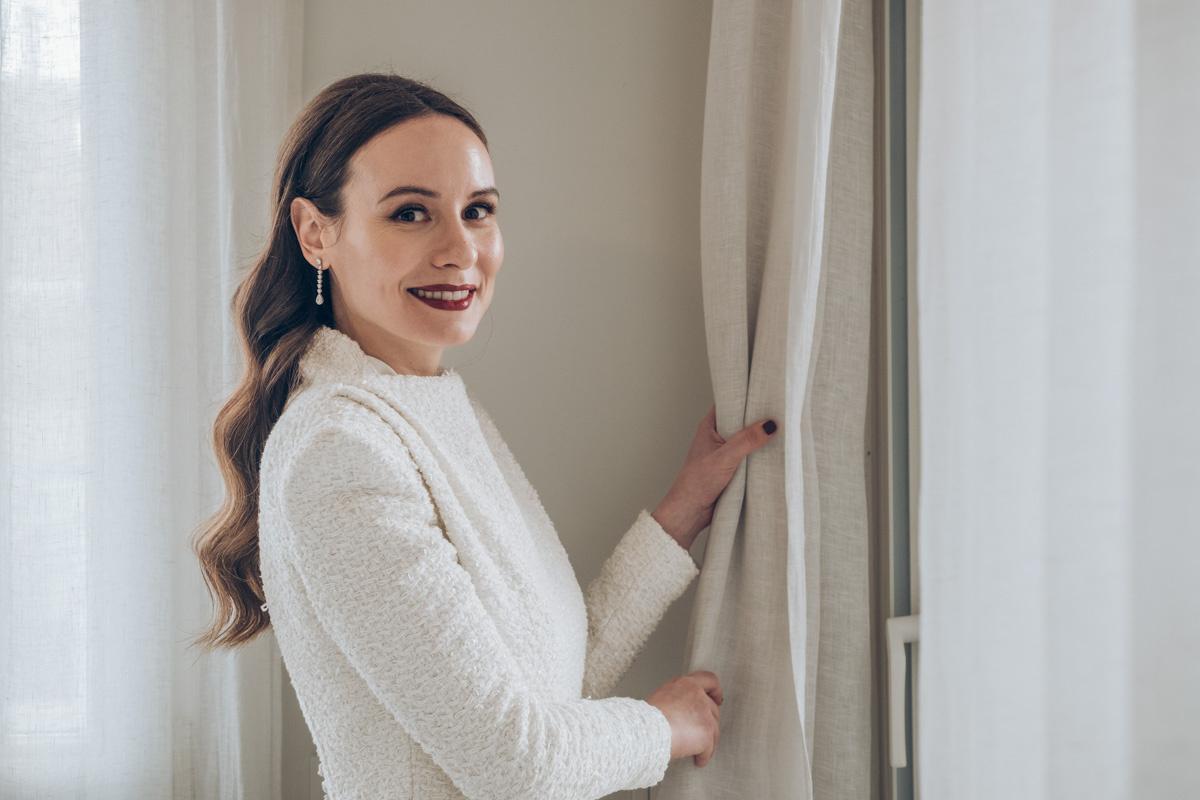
[769, 426]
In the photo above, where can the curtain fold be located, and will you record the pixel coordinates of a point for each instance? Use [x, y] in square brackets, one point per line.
[138, 147]
[782, 611]
[1058, 293]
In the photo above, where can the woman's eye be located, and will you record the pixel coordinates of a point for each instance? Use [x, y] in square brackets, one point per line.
[407, 210]
[399, 215]
[491, 209]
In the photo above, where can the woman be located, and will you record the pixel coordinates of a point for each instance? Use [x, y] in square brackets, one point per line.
[431, 623]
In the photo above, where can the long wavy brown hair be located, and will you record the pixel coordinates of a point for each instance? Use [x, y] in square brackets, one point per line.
[276, 315]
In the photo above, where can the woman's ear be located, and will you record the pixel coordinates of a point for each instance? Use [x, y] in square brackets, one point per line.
[308, 222]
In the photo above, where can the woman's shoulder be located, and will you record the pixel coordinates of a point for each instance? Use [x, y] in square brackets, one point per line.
[328, 420]
[332, 405]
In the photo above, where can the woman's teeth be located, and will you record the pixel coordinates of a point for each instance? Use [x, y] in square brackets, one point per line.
[442, 295]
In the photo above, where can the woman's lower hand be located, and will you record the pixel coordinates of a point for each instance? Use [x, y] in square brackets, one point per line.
[692, 705]
[710, 465]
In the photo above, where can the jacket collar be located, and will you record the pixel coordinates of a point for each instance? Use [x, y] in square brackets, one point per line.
[334, 357]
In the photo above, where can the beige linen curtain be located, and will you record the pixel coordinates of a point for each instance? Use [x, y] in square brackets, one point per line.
[782, 611]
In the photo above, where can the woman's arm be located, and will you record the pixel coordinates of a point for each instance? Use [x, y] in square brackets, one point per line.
[647, 571]
[651, 565]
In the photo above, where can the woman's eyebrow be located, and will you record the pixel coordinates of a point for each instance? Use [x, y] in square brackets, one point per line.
[409, 189]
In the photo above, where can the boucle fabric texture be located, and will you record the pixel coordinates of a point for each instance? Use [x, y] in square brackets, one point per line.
[432, 625]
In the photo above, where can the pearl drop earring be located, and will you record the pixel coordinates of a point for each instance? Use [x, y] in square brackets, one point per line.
[320, 272]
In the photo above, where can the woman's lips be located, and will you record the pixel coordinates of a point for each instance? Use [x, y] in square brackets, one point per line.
[447, 305]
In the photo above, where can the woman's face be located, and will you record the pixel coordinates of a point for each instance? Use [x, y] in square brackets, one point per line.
[420, 210]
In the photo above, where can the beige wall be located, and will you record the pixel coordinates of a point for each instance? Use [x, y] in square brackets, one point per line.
[592, 360]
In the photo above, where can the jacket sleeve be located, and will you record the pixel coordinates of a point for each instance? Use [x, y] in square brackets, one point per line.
[644, 575]
[386, 585]
[647, 571]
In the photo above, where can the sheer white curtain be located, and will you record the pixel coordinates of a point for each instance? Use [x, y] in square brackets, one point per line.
[1058, 291]
[137, 142]
[781, 611]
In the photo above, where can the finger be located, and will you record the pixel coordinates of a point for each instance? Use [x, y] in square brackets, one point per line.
[706, 678]
[747, 440]
[759, 430]
[709, 425]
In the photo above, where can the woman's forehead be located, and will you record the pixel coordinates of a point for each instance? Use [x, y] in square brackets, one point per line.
[439, 152]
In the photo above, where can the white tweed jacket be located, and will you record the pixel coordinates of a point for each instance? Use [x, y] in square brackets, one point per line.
[432, 625]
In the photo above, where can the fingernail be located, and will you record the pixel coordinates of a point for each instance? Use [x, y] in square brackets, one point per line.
[769, 426]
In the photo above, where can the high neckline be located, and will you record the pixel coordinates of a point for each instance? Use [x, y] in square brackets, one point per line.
[381, 367]
[333, 356]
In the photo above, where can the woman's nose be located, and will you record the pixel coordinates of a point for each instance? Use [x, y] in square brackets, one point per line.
[457, 246]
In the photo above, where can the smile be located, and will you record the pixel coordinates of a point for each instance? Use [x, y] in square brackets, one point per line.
[443, 302]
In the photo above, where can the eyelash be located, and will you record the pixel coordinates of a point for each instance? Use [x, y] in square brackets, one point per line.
[491, 209]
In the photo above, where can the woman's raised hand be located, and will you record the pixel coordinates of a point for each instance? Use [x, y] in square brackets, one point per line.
[711, 462]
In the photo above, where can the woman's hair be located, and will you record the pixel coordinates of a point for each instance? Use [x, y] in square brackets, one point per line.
[276, 315]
